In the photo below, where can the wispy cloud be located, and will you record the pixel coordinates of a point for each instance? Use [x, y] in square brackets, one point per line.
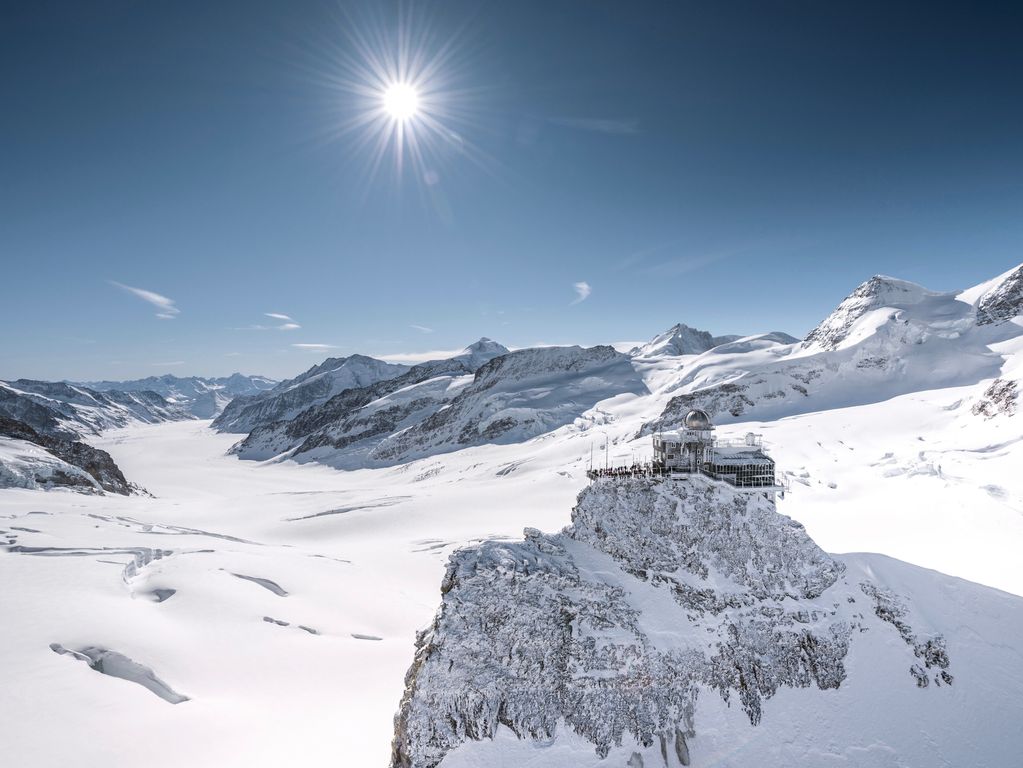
[421, 328]
[169, 364]
[164, 306]
[315, 347]
[233, 354]
[611, 126]
[289, 323]
[582, 290]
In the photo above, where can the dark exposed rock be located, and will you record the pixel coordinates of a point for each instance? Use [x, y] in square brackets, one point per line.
[95, 462]
[1004, 301]
[999, 398]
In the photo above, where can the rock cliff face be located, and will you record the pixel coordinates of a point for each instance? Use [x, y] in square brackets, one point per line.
[659, 594]
[76, 464]
[1003, 301]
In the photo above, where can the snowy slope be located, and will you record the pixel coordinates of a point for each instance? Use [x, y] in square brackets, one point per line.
[202, 397]
[313, 387]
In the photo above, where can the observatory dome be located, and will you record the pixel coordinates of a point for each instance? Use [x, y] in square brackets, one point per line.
[697, 419]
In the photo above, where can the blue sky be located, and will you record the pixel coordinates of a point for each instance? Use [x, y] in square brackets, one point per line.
[739, 167]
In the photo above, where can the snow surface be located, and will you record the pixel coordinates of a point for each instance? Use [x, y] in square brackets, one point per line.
[361, 555]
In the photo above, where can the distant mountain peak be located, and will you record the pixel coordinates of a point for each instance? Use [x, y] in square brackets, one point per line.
[481, 352]
[877, 292]
[680, 339]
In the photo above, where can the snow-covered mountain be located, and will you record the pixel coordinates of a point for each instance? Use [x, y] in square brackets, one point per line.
[888, 337]
[680, 339]
[347, 429]
[43, 423]
[628, 637]
[316, 385]
[54, 407]
[202, 397]
[446, 405]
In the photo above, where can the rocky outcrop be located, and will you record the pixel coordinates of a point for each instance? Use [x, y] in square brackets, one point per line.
[999, 398]
[95, 463]
[659, 593]
[1004, 301]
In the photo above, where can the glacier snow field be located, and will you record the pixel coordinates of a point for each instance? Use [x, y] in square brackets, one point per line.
[283, 600]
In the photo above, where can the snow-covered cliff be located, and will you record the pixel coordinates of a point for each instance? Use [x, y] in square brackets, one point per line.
[659, 627]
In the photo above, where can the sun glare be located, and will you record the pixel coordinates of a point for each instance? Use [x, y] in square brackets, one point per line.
[406, 98]
[401, 101]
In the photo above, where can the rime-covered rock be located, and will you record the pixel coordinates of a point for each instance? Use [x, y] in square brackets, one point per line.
[659, 593]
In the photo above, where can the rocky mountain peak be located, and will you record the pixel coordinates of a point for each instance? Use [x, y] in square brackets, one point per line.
[481, 352]
[1004, 301]
[680, 339]
[879, 291]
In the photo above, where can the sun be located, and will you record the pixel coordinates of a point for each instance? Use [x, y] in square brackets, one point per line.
[407, 95]
[401, 101]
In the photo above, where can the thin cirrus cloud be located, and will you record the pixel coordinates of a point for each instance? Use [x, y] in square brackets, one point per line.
[582, 291]
[315, 347]
[288, 323]
[165, 309]
[421, 328]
